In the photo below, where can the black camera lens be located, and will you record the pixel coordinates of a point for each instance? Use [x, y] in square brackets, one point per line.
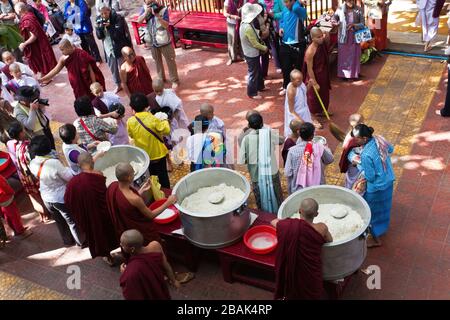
[43, 102]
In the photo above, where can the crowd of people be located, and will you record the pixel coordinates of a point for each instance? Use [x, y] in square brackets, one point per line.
[88, 213]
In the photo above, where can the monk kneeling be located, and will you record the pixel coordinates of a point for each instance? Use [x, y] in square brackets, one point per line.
[143, 276]
[298, 264]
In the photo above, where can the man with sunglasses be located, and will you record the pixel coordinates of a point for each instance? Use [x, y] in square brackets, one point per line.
[292, 38]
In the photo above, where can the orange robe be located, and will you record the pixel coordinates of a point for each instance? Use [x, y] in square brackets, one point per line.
[138, 78]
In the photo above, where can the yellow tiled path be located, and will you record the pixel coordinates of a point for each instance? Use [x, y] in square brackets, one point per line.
[396, 106]
[15, 288]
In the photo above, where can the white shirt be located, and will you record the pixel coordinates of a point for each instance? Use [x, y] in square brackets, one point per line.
[108, 99]
[194, 145]
[7, 96]
[26, 71]
[53, 180]
[26, 81]
[169, 99]
[74, 39]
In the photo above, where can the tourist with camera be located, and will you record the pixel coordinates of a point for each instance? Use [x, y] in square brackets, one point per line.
[112, 29]
[157, 18]
[29, 110]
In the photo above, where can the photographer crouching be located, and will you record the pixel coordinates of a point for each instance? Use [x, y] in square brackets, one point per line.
[112, 29]
[157, 18]
[29, 109]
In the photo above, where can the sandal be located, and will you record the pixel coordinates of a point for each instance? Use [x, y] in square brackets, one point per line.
[184, 277]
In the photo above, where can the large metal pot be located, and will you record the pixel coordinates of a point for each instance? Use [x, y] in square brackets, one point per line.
[340, 258]
[117, 154]
[213, 230]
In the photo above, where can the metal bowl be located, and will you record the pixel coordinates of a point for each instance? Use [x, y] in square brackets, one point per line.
[213, 230]
[340, 258]
[320, 139]
[117, 154]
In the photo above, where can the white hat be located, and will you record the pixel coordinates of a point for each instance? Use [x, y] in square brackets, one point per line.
[250, 12]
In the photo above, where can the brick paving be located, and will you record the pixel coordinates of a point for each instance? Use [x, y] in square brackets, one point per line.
[397, 95]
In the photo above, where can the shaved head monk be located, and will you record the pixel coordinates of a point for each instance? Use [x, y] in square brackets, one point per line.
[36, 48]
[85, 197]
[316, 60]
[298, 264]
[134, 73]
[82, 70]
[127, 208]
[143, 275]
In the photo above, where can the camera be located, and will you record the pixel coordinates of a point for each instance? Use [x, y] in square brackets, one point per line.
[102, 21]
[44, 102]
[156, 8]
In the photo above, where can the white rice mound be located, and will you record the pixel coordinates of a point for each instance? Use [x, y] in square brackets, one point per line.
[340, 229]
[110, 172]
[198, 202]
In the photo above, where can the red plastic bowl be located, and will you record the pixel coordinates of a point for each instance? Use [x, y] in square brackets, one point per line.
[266, 233]
[159, 203]
[5, 159]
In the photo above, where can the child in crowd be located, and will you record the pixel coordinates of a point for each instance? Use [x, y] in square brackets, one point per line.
[351, 171]
[19, 79]
[103, 101]
[74, 39]
[71, 148]
[291, 140]
[121, 136]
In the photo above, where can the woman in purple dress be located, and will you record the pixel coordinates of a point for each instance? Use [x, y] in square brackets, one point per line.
[350, 18]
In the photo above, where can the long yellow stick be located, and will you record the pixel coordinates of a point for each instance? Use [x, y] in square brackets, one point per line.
[321, 103]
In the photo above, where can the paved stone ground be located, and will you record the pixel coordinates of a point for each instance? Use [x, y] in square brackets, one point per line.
[397, 95]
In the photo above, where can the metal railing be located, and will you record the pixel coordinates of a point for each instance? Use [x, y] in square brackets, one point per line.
[315, 7]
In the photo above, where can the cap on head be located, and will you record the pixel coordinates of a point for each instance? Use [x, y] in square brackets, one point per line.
[309, 208]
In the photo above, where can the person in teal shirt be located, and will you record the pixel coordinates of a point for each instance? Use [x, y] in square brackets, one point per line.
[293, 40]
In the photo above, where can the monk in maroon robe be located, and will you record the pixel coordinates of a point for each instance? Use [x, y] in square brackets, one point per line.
[82, 70]
[316, 69]
[143, 275]
[86, 199]
[127, 208]
[134, 73]
[36, 47]
[298, 264]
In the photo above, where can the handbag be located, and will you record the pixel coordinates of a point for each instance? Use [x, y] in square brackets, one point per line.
[363, 35]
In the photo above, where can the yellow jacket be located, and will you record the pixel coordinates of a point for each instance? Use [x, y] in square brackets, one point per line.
[144, 139]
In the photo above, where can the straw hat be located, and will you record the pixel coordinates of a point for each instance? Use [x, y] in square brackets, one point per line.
[250, 12]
